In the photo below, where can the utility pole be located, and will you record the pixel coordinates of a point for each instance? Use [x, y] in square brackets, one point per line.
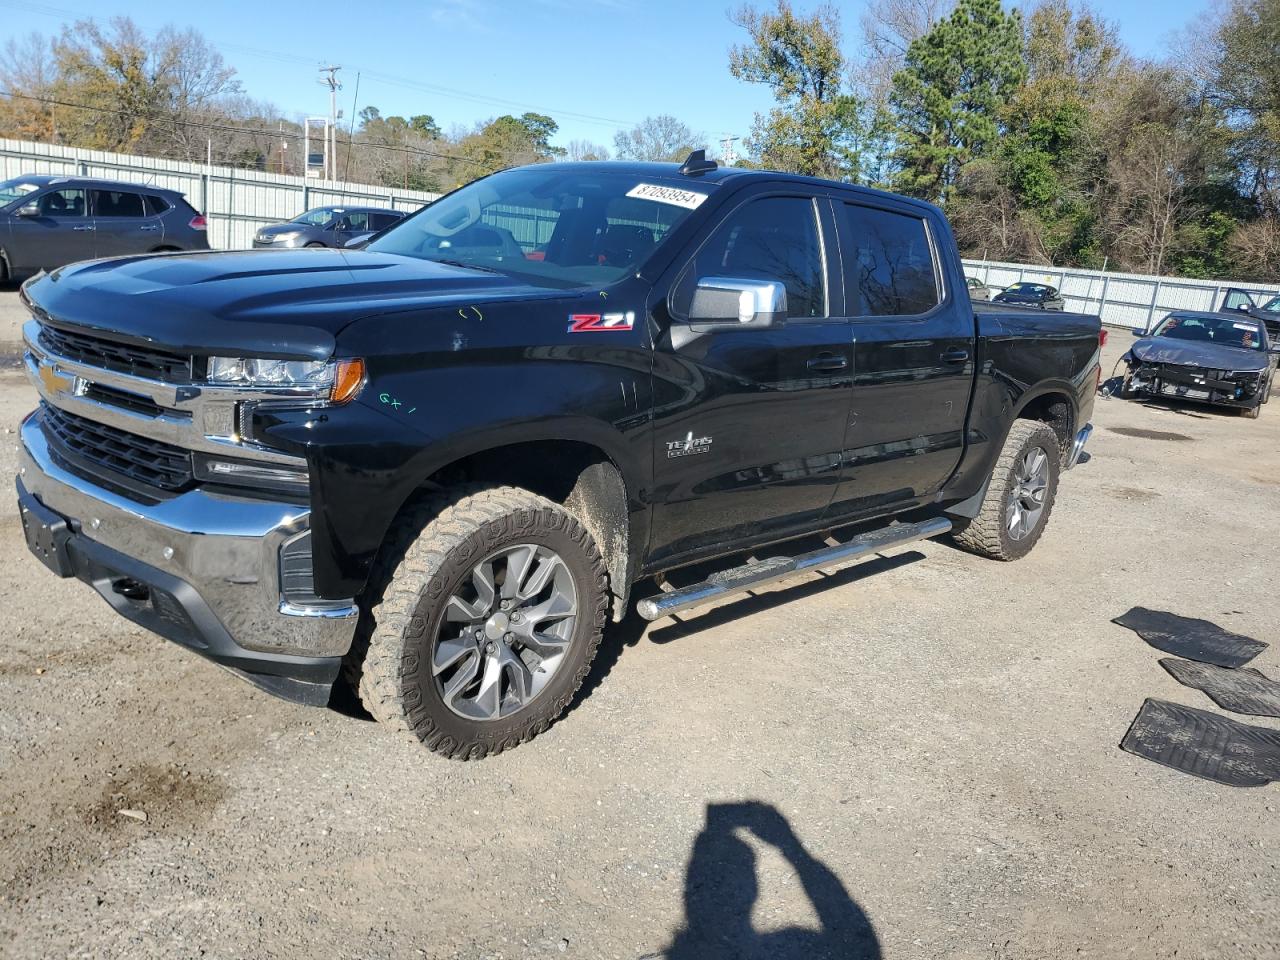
[727, 153]
[331, 136]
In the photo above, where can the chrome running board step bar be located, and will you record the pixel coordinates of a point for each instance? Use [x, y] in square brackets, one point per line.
[760, 573]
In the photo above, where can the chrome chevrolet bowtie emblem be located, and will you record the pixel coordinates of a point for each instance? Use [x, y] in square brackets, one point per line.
[54, 381]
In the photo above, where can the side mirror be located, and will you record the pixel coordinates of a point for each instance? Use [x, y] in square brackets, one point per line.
[31, 209]
[1138, 332]
[355, 243]
[741, 304]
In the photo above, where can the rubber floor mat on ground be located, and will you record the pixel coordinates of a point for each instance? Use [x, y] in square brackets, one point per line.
[1204, 744]
[1243, 690]
[1190, 638]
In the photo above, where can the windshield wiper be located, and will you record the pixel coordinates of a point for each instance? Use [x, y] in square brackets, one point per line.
[467, 266]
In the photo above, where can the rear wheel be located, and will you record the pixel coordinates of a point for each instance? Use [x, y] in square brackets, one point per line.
[1019, 497]
[488, 624]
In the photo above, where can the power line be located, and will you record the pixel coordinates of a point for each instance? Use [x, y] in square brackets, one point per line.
[233, 128]
[389, 78]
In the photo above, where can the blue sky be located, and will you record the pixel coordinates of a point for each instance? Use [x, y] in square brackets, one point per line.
[594, 65]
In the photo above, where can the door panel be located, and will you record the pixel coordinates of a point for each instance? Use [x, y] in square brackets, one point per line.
[122, 224]
[61, 233]
[913, 363]
[748, 423]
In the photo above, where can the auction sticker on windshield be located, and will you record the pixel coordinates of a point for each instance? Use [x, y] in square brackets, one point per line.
[673, 195]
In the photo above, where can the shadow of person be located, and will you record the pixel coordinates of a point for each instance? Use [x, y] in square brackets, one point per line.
[721, 886]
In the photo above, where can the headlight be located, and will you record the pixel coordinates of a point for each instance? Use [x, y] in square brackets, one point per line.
[340, 379]
[270, 373]
[284, 237]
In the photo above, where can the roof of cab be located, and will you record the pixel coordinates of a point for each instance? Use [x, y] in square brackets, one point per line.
[725, 175]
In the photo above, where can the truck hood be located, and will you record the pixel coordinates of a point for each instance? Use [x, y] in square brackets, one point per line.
[285, 304]
[1188, 353]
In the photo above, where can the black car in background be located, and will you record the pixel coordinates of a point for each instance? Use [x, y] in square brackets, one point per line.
[1268, 311]
[327, 227]
[1218, 358]
[47, 222]
[1031, 295]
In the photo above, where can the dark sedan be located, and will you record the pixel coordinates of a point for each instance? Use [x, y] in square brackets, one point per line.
[327, 227]
[1217, 358]
[48, 222]
[1031, 295]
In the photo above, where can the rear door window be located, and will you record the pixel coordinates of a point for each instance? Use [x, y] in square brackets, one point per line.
[889, 266]
[117, 203]
[380, 221]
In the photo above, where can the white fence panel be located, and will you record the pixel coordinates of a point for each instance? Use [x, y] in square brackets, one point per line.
[1122, 299]
[235, 202]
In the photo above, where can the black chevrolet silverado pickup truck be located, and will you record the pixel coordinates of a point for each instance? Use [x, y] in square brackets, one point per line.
[438, 465]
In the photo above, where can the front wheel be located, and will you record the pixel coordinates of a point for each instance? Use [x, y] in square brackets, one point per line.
[489, 623]
[1019, 496]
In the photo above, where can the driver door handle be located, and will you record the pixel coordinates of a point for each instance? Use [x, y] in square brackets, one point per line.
[955, 355]
[83, 227]
[828, 362]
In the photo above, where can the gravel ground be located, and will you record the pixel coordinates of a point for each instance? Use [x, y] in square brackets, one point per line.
[913, 759]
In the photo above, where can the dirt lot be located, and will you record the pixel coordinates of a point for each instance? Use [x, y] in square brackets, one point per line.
[919, 763]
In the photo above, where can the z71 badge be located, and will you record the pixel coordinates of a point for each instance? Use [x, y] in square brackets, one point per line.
[600, 322]
[690, 446]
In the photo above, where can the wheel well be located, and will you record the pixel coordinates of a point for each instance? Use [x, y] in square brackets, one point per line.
[578, 475]
[1054, 409]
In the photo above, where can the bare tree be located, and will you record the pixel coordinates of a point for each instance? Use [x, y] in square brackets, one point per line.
[888, 29]
[657, 138]
[1256, 248]
[29, 72]
[586, 150]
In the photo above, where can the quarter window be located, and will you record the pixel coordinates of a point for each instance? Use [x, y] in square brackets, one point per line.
[888, 264]
[774, 238]
[156, 205]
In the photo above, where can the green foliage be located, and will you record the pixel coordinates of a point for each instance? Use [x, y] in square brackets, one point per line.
[816, 128]
[946, 100]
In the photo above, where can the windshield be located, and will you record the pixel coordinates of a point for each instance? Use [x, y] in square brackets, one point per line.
[1223, 331]
[554, 226]
[1272, 305]
[11, 190]
[316, 218]
[1032, 288]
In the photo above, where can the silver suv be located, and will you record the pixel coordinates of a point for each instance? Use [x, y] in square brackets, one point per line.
[46, 222]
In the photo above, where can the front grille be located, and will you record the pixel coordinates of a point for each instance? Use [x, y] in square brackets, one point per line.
[95, 445]
[147, 362]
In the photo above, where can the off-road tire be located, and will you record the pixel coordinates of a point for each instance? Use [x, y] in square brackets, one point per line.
[987, 534]
[430, 549]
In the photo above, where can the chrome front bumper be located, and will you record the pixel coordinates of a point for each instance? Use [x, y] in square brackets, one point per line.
[223, 549]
